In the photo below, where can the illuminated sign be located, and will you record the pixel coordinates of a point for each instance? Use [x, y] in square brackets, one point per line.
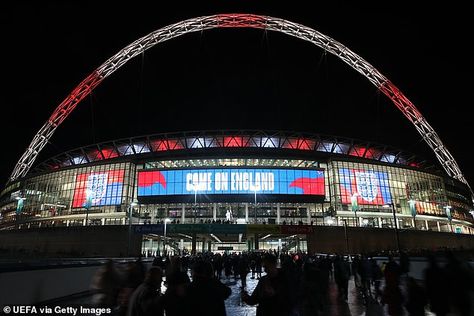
[231, 181]
[98, 188]
[367, 186]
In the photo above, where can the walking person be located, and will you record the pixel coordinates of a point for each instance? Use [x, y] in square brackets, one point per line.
[392, 295]
[106, 285]
[146, 300]
[342, 274]
[271, 293]
[416, 298]
[205, 295]
[436, 284]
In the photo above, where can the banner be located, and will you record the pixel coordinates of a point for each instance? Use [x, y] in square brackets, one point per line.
[231, 181]
[367, 186]
[98, 189]
[222, 229]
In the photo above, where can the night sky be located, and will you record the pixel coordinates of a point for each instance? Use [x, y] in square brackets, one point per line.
[235, 78]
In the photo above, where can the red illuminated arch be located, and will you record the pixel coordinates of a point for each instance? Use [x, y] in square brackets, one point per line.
[235, 21]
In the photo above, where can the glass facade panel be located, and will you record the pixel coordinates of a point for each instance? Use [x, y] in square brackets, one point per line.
[102, 195]
[372, 188]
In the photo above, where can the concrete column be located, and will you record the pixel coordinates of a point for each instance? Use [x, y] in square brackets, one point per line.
[308, 215]
[193, 244]
[413, 222]
[203, 246]
[67, 222]
[183, 213]
[278, 214]
[256, 242]
[209, 245]
[214, 211]
[426, 224]
[246, 212]
[380, 222]
[84, 222]
[181, 244]
[103, 221]
[439, 227]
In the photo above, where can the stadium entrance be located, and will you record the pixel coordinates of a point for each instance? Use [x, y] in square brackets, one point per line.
[194, 238]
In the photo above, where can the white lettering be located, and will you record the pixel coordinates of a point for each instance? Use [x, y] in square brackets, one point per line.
[264, 181]
[196, 181]
[246, 178]
[232, 181]
[65, 310]
[271, 181]
[24, 309]
[189, 182]
[251, 182]
[238, 180]
[221, 181]
[257, 185]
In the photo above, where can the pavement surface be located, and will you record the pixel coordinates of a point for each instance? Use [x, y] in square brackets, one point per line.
[356, 305]
[334, 307]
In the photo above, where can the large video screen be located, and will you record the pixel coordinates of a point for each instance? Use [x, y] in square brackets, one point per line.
[231, 181]
[370, 187]
[98, 188]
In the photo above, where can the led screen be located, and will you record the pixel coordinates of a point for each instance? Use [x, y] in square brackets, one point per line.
[370, 187]
[98, 188]
[231, 181]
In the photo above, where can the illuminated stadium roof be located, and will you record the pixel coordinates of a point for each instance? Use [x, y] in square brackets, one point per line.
[190, 142]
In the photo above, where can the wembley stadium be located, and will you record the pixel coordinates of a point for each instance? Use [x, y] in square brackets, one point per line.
[278, 184]
[235, 189]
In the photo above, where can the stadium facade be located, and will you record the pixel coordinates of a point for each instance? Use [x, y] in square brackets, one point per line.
[291, 182]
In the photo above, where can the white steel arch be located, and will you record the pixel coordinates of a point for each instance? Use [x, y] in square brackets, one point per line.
[235, 21]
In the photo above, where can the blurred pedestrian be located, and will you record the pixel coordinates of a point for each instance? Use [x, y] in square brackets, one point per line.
[146, 299]
[416, 298]
[106, 285]
[342, 275]
[392, 295]
[436, 284]
[205, 295]
[271, 293]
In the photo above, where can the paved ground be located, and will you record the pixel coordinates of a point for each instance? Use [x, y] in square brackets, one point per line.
[334, 307]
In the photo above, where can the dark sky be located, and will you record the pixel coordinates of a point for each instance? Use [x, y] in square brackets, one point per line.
[235, 78]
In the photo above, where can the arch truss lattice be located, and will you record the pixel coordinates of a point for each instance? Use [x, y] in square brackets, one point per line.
[238, 21]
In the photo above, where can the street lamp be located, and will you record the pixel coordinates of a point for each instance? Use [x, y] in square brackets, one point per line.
[412, 205]
[167, 220]
[20, 204]
[88, 204]
[347, 239]
[448, 214]
[19, 207]
[355, 206]
[194, 206]
[396, 223]
[130, 227]
[255, 203]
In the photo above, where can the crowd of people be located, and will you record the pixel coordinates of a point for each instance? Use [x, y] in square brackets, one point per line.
[288, 284]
